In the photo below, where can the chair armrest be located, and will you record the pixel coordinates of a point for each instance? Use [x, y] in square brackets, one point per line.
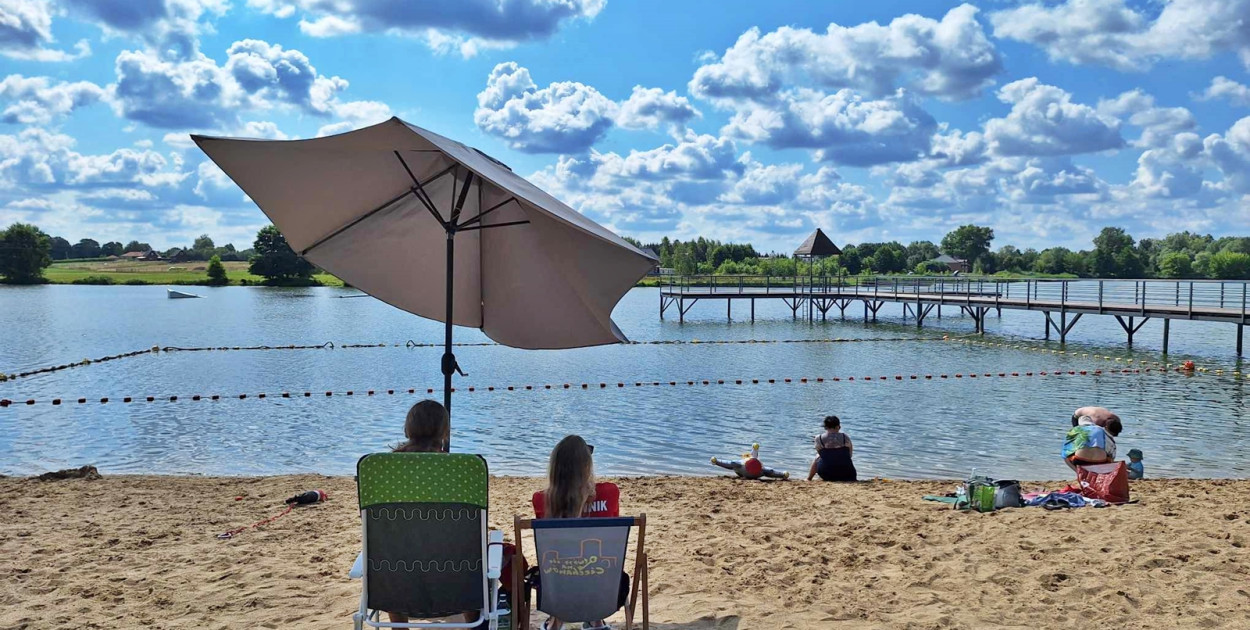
[494, 554]
[358, 567]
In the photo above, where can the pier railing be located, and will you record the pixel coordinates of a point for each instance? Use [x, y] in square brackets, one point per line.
[1189, 295]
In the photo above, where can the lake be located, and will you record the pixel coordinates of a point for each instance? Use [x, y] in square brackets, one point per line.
[1192, 425]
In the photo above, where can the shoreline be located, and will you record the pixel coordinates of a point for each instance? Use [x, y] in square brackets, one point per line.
[139, 550]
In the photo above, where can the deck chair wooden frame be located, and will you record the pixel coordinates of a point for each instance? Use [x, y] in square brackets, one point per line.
[407, 491]
[521, 600]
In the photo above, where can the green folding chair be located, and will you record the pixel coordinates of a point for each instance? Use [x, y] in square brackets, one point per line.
[426, 550]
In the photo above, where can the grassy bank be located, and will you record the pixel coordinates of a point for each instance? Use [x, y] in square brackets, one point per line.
[145, 272]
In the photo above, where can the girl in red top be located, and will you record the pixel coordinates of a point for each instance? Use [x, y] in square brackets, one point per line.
[572, 493]
[571, 489]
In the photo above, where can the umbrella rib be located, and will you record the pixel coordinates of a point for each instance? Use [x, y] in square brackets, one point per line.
[487, 211]
[419, 189]
[494, 225]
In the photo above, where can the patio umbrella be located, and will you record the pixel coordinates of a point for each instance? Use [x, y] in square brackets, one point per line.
[441, 230]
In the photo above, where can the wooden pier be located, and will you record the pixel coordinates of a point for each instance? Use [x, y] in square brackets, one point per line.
[1062, 302]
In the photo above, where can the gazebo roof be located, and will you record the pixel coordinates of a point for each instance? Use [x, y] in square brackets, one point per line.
[817, 245]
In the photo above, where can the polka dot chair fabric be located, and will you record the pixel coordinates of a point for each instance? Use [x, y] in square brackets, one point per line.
[387, 478]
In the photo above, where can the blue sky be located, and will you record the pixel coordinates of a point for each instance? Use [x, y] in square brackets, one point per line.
[744, 121]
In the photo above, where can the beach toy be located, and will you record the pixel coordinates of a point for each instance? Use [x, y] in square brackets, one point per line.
[750, 467]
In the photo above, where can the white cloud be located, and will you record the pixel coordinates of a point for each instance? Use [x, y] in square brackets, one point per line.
[26, 31]
[764, 184]
[171, 27]
[951, 58]
[1160, 125]
[1044, 122]
[1225, 88]
[565, 117]
[463, 26]
[1109, 32]
[38, 100]
[268, 71]
[651, 108]
[39, 159]
[1231, 154]
[197, 93]
[841, 127]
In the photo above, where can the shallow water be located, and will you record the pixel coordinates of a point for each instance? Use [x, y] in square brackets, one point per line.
[941, 428]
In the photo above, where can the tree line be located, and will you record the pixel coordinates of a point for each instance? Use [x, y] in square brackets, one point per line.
[1115, 254]
[202, 248]
[25, 251]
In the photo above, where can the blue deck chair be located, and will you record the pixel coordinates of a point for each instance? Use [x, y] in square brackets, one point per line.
[580, 561]
[426, 551]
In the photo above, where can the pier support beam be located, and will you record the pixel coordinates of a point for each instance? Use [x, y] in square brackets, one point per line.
[1129, 328]
[1240, 329]
[729, 310]
[752, 310]
[1167, 325]
[922, 311]
[1063, 327]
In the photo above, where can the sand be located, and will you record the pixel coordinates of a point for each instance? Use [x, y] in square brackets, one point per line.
[131, 552]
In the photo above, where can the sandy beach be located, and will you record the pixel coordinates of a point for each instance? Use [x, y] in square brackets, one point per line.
[136, 551]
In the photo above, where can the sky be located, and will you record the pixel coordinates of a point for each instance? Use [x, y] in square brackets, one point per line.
[735, 120]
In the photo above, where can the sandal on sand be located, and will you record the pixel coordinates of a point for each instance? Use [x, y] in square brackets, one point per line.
[599, 625]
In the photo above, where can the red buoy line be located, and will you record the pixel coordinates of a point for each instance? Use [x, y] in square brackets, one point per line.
[983, 376]
[329, 345]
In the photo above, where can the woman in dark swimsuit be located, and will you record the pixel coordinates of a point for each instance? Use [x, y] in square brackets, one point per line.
[833, 454]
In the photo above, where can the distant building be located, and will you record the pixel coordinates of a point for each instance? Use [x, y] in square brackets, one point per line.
[952, 263]
[147, 255]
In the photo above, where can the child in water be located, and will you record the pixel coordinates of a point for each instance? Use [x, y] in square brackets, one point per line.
[1135, 468]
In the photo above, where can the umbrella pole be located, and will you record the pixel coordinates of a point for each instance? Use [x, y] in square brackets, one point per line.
[449, 359]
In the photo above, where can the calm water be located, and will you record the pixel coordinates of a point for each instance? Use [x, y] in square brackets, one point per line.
[1187, 426]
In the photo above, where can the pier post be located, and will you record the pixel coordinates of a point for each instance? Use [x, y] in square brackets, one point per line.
[1240, 329]
[681, 310]
[752, 310]
[1047, 314]
[729, 312]
[1167, 325]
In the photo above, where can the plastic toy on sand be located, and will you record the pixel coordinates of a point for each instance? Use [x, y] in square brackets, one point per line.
[750, 467]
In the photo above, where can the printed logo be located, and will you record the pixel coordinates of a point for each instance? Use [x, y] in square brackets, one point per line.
[590, 562]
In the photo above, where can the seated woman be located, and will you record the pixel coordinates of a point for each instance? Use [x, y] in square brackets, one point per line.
[1092, 437]
[428, 430]
[572, 493]
[833, 454]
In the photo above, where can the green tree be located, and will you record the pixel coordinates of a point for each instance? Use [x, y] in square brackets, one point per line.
[86, 248]
[851, 260]
[1229, 265]
[1175, 265]
[203, 243]
[274, 259]
[1051, 260]
[24, 253]
[969, 242]
[136, 246]
[111, 248]
[217, 272]
[921, 251]
[60, 248]
[1113, 255]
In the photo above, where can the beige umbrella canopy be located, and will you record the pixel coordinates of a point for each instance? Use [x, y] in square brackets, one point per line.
[442, 230]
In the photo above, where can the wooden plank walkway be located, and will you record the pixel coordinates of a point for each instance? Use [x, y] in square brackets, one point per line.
[1064, 302]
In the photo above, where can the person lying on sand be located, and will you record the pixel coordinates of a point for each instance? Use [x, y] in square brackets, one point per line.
[833, 454]
[1092, 437]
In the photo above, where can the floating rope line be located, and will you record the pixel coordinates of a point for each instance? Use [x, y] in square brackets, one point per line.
[983, 376]
[329, 345]
[1185, 365]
